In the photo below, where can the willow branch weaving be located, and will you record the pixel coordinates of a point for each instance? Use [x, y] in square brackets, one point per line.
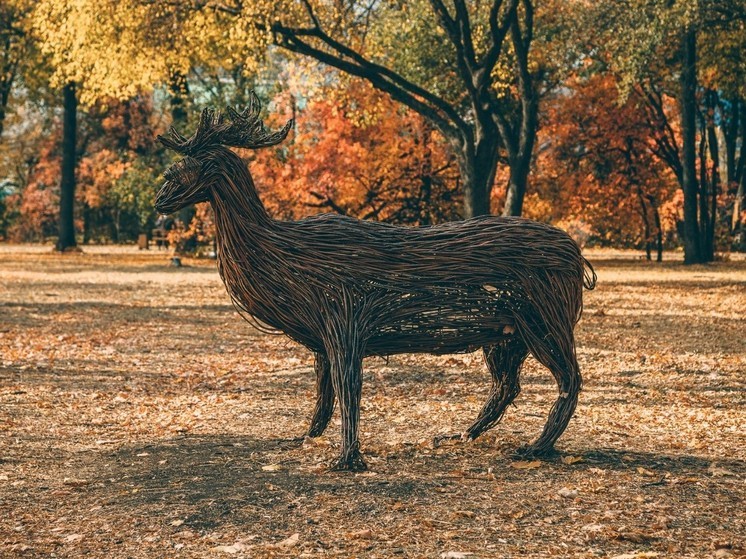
[348, 289]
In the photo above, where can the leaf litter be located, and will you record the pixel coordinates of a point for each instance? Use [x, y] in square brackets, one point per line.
[140, 417]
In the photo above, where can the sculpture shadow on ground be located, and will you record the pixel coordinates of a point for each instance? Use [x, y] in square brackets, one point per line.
[218, 480]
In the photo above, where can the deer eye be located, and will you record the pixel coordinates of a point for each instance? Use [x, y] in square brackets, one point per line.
[184, 172]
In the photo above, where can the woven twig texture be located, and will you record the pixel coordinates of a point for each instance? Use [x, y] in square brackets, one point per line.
[348, 289]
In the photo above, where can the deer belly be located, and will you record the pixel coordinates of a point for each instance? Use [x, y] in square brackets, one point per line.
[454, 323]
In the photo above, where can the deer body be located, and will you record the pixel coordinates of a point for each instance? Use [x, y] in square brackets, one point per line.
[348, 289]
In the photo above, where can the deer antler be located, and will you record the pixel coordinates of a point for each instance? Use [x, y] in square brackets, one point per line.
[245, 130]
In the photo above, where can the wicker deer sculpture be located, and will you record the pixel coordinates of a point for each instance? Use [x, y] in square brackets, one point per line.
[347, 289]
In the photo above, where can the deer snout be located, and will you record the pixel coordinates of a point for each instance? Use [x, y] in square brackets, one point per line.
[165, 201]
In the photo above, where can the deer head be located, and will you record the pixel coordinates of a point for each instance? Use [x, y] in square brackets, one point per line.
[191, 179]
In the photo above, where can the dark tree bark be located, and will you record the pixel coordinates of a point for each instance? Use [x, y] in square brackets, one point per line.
[66, 238]
[519, 136]
[645, 222]
[653, 203]
[12, 47]
[475, 134]
[689, 183]
[737, 226]
[731, 128]
[478, 166]
[714, 183]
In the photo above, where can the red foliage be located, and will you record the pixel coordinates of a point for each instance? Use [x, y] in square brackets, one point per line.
[596, 171]
[38, 203]
[112, 137]
[373, 160]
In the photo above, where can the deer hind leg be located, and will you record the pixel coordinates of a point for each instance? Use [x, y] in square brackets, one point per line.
[324, 408]
[557, 353]
[346, 374]
[504, 362]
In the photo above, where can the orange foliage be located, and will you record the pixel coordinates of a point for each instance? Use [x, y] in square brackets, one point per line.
[372, 160]
[111, 138]
[199, 232]
[596, 173]
[38, 203]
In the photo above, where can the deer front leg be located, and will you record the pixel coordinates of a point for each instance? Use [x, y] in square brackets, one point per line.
[322, 413]
[346, 372]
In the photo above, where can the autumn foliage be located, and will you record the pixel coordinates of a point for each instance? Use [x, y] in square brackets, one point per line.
[117, 175]
[599, 173]
[358, 153]
[584, 108]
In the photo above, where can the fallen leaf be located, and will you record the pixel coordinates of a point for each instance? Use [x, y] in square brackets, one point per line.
[290, 542]
[634, 537]
[715, 470]
[75, 482]
[526, 465]
[232, 549]
[73, 538]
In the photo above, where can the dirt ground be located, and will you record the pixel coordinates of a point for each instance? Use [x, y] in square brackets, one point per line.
[141, 417]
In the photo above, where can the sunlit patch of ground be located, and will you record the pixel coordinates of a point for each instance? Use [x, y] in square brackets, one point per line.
[141, 417]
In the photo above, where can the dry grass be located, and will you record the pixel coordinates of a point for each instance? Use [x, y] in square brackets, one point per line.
[140, 417]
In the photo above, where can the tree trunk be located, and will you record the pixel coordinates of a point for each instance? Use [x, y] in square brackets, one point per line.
[478, 167]
[690, 184]
[658, 228]
[477, 185]
[517, 186]
[738, 226]
[86, 224]
[3, 104]
[730, 128]
[66, 239]
[704, 208]
[645, 222]
[715, 178]
[520, 159]
[7, 75]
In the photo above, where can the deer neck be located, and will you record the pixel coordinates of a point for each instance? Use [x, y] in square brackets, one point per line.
[234, 193]
[246, 238]
[244, 229]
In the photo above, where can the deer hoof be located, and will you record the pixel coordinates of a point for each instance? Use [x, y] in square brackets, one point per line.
[350, 462]
[531, 451]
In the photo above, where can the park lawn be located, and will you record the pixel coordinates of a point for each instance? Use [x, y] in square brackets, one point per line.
[141, 417]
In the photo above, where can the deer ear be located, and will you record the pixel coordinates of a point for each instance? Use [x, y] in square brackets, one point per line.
[184, 172]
